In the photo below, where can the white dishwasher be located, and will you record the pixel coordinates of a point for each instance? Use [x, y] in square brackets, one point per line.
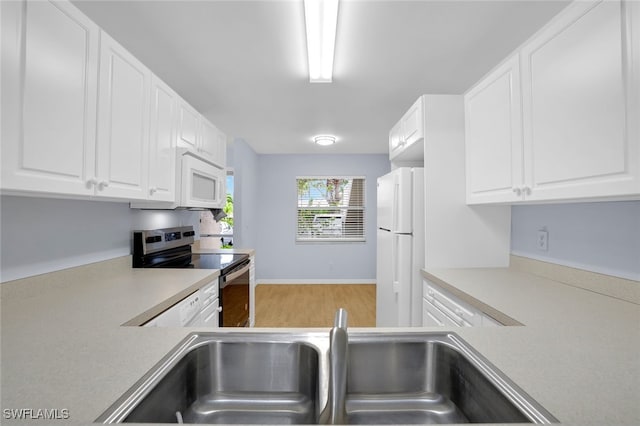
[199, 309]
[182, 314]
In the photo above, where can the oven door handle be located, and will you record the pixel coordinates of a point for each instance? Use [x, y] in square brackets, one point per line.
[235, 274]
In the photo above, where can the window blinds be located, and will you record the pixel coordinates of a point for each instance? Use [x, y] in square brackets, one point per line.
[330, 209]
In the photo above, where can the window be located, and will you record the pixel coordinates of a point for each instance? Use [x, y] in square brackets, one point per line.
[218, 234]
[330, 208]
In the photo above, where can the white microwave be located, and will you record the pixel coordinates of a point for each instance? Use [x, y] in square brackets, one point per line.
[199, 185]
[202, 185]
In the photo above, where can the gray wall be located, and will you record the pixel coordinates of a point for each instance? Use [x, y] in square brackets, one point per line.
[244, 161]
[40, 235]
[599, 237]
[278, 256]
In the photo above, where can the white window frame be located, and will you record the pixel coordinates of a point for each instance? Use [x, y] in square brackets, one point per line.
[300, 238]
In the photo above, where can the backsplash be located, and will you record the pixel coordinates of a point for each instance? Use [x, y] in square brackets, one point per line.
[598, 237]
[41, 235]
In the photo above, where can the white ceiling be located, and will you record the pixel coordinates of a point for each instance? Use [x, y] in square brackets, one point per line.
[243, 65]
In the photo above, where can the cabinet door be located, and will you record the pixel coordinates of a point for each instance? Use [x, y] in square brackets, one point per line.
[49, 89]
[493, 136]
[578, 77]
[162, 142]
[430, 315]
[213, 143]
[413, 124]
[188, 127]
[123, 123]
[395, 140]
[406, 137]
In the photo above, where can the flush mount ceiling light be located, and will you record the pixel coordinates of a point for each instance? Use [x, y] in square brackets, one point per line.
[324, 140]
[321, 19]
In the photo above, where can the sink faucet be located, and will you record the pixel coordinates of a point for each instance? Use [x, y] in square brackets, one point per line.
[335, 411]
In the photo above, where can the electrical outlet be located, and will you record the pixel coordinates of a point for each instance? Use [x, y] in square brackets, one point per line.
[543, 240]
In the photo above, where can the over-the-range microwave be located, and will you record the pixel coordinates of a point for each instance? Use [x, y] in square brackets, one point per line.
[199, 185]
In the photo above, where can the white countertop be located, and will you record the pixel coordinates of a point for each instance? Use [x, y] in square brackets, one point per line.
[578, 353]
[64, 346]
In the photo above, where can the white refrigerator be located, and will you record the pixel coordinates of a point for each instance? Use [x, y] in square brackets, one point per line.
[400, 248]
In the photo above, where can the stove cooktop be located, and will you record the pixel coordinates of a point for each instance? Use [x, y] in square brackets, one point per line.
[216, 260]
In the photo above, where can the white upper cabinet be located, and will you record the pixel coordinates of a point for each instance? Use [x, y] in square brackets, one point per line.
[197, 134]
[579, 135]
[162, 141]
[83, 117]
[406, 138]
[123, 123]
[493, 140]
[49, 89]
[578, 139]
[188, 127]
[214, 143]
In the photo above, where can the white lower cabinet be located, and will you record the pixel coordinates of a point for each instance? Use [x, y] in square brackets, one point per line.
[441, 308]
[252, 291]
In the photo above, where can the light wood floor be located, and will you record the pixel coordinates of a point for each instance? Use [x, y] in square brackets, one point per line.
[314, 305]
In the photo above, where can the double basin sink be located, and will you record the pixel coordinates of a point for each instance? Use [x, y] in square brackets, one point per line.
[284, 378]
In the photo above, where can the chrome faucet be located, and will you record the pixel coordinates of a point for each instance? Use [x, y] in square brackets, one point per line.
[335, 412]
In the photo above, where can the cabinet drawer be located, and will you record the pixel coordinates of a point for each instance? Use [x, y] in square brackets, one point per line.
[209, 292]
[210, 315]
[457, 308]
[434, 317]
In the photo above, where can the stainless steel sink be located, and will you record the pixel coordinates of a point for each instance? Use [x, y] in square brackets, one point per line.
[283, 378]
[226, 379]
[430, 379]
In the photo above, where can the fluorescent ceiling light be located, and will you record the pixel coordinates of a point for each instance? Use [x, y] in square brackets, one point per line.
[321, 19]
[324, 140]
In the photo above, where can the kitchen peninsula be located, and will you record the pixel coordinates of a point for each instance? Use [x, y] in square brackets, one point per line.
[61, 350]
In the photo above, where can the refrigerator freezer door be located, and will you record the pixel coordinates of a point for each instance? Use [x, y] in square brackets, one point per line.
[402, 201]
[395, 200]
[385, 202]
[386, 300]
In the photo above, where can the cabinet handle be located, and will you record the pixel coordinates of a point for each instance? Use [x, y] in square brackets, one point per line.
[517, 190]
[103, 184]
[92, 182]
[527, 190]
[153, 190]
[219, 309]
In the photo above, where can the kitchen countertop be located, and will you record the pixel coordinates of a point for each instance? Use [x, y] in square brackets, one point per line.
[64, 346]
[195, 248]
[577, 352]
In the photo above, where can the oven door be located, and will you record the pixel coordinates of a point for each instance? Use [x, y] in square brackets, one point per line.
[203, 184]
[234, 289]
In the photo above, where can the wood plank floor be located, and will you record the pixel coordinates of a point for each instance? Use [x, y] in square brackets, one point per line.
[314, 305]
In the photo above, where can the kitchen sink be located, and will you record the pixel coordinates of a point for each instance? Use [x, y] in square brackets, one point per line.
[289, 378]
[223, 379]
[433, 379]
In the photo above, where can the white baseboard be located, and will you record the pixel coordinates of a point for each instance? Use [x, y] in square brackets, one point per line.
[316, 281]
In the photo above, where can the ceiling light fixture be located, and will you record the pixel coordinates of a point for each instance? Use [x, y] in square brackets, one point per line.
[321, 19]
[324, 140]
